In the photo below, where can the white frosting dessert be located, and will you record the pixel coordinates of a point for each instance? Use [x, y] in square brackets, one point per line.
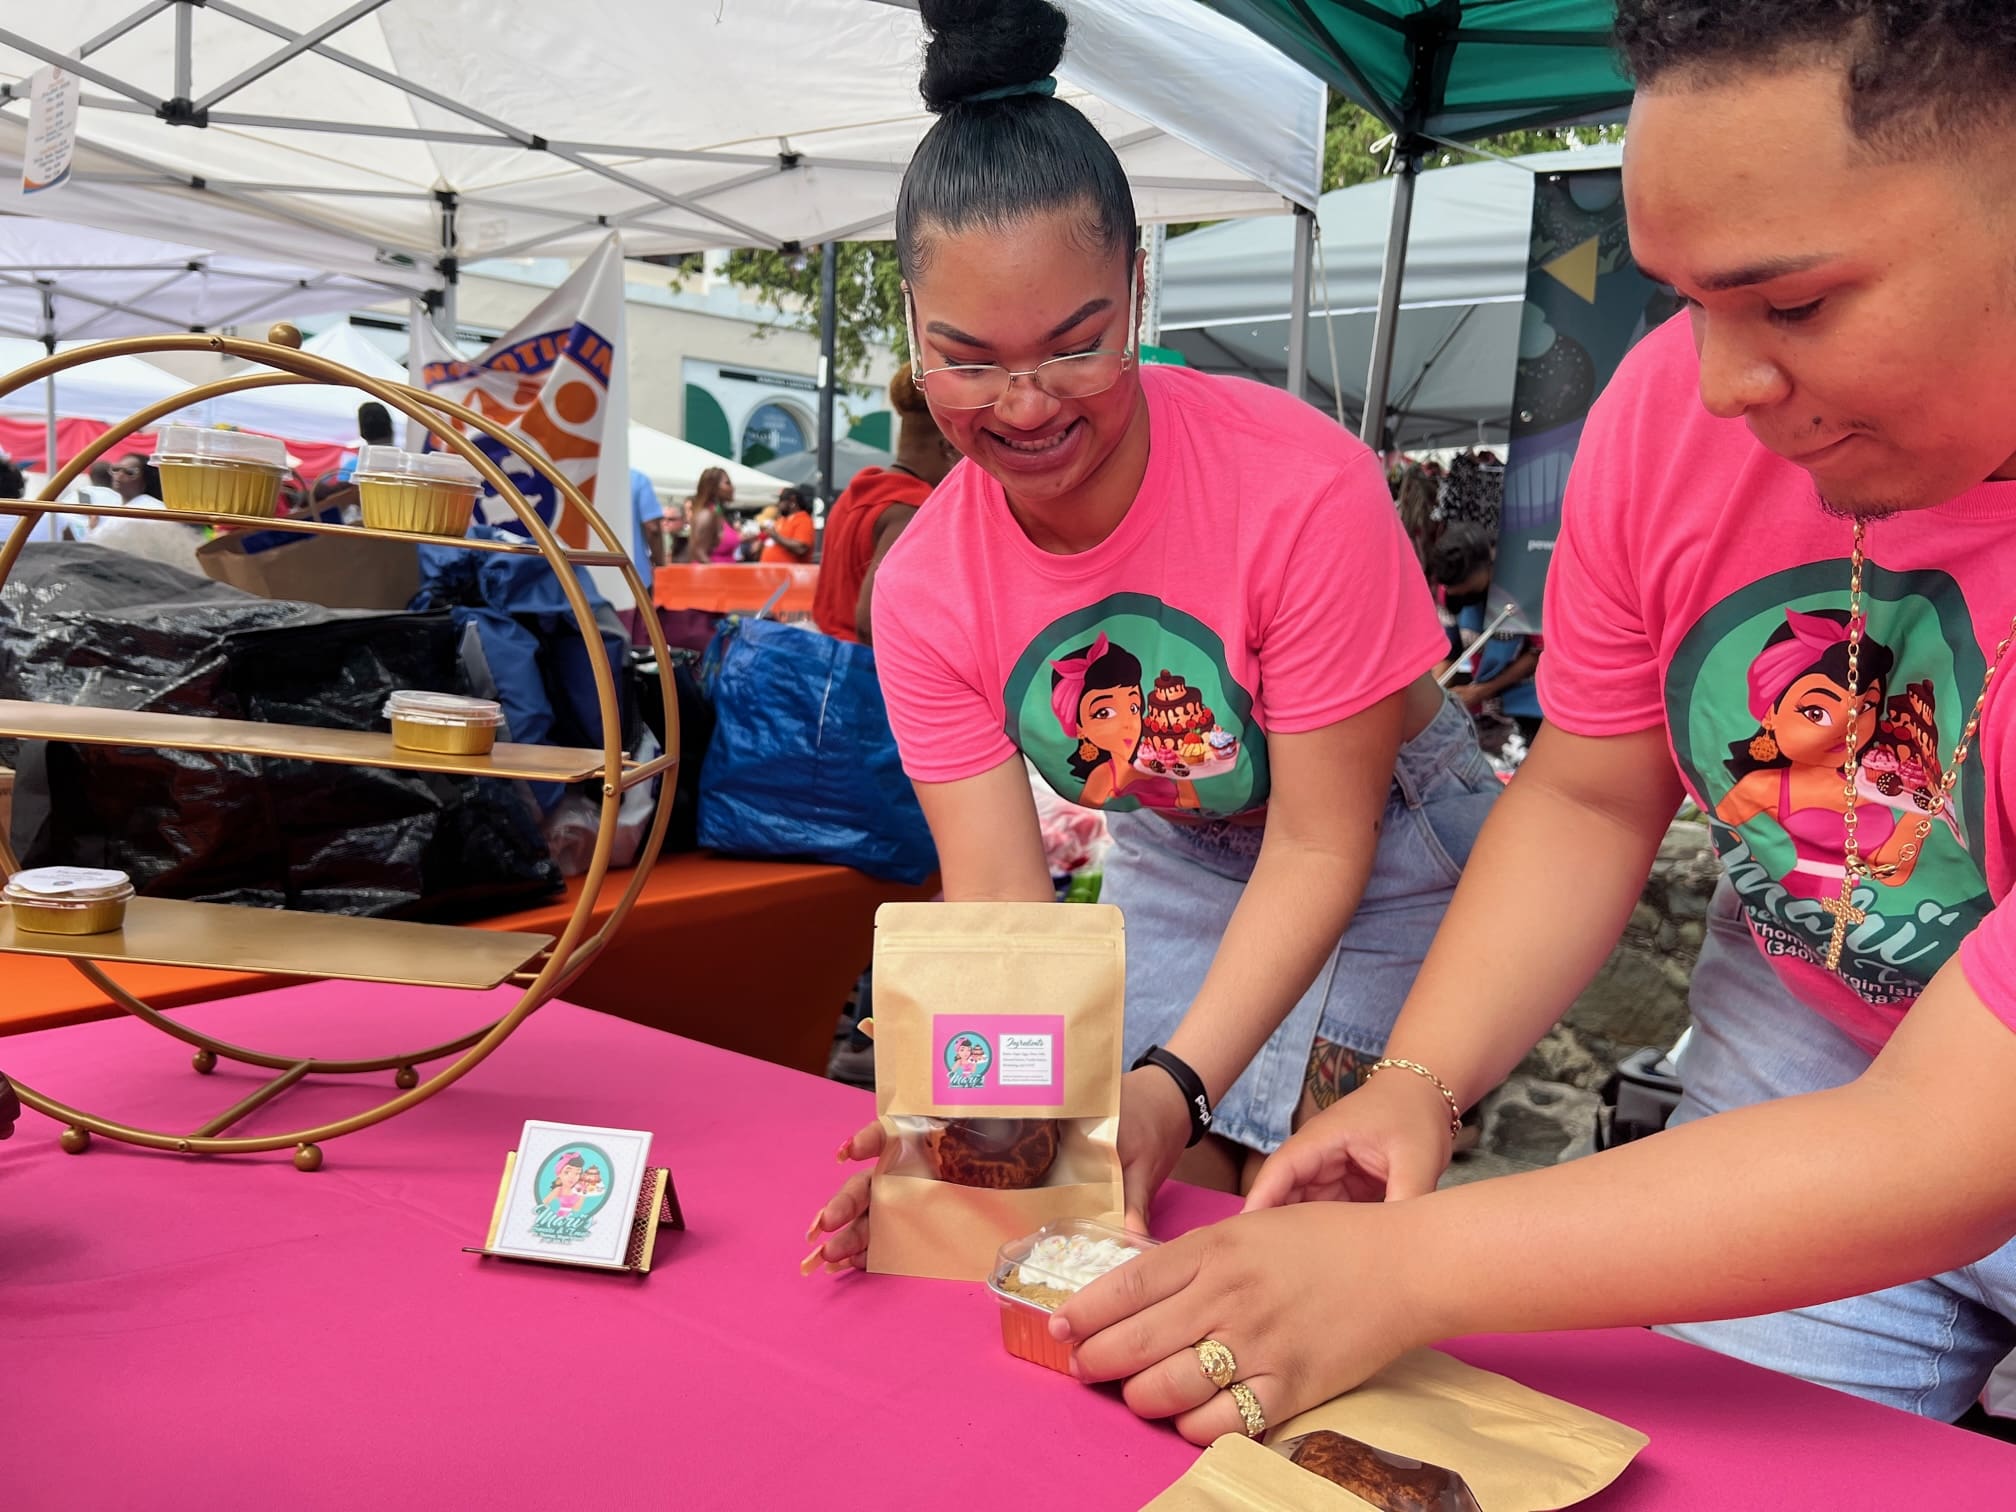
[1066, 1262]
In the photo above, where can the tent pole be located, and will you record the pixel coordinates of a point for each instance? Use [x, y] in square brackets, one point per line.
[1298, 309]
[1156, 242]
[829, 337]
[1372, 429]
[450, 266]
[49, 383]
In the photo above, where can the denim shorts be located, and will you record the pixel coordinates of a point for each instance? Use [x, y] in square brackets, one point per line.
[1177, 885]
[1926, 1347]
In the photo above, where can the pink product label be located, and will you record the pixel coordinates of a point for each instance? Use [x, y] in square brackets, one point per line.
[999, 1060]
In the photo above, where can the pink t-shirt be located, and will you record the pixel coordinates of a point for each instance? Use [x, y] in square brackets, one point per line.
[1260, 582]
[1699, 584]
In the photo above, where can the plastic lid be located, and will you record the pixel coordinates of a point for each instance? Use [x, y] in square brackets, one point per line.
[196, 443]
[68, 886]
[1069, 1254]
[442, 708]
[392, 464]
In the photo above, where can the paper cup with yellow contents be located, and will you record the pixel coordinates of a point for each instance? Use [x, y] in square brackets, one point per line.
[219, 471]
[72, 900]
[430, 493]
[443, 722]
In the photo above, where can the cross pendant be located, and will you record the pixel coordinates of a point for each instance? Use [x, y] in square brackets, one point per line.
[1846, 914]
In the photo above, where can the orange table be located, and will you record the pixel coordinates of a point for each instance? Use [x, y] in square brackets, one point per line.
[753, 956]
[734, 588]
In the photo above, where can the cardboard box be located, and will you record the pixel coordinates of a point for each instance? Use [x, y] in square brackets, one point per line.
[335, 571]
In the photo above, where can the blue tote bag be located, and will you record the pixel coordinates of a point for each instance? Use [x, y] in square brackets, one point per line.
[803, 765]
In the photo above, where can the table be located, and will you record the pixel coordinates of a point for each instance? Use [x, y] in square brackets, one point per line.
[702, 935]
[231, 1333]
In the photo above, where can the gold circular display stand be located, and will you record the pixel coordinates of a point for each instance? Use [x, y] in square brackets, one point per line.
[279, 942]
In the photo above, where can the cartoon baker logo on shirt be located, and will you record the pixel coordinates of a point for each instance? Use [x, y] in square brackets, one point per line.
[1107, 732]
[1759, 699]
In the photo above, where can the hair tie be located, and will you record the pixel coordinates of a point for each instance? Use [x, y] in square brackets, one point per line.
[1044, 86]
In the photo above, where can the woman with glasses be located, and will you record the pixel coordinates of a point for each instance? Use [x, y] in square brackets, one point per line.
[1186, 601]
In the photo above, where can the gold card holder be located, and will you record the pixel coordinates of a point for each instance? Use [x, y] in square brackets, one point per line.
[657, 1208]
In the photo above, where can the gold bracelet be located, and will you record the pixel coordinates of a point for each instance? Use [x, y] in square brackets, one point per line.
[1455, 1108]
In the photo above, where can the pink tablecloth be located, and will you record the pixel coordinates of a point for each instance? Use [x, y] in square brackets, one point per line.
[231, 1333]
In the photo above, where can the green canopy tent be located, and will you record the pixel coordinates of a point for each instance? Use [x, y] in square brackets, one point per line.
[1440, 72]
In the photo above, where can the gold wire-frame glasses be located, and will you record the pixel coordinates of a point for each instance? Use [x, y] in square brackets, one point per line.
[981, 385]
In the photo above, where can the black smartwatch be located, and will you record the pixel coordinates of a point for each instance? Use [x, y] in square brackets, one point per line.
[1188, 1082]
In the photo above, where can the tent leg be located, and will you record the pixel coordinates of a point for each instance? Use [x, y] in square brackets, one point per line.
[1154, 241]
[829, 329]
[49, 383]
[1372, 431]
[1298, 309]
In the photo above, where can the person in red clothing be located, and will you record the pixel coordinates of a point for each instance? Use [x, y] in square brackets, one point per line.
[871, 512]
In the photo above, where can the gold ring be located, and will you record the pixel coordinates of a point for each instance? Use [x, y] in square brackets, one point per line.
[1217, 1363]
[1249, 1409]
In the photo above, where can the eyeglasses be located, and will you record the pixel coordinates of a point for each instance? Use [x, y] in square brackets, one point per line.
[981, 385]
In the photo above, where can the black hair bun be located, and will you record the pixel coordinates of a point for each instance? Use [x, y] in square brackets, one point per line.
[978, 45]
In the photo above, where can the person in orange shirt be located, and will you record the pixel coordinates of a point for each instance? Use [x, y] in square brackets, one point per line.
[789, 539]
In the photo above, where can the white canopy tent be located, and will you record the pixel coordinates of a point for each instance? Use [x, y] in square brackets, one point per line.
[1226, 297]
[67, 282]
[390, 133]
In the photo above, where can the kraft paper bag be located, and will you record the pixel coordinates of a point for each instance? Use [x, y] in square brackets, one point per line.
[1463, 1438]
[997, 1078]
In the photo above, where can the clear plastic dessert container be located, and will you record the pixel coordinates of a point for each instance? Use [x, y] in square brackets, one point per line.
[429, 493]
[443, 722]
[69, 900]
[207, 471]
[1034, 1276]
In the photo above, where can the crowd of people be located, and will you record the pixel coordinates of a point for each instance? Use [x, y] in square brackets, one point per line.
[1451, 515]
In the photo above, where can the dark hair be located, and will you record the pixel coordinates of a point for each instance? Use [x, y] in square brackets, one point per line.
[790, 493]
[995, 162]
[1877, 663]
[1915, 69]
[1458, 552]
[1116, 669]
[101, 474]
[1419, 501]
[150, 475]
[13, 481]
[374, 425]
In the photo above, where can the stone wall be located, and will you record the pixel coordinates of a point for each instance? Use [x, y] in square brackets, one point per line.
[1547, 1107]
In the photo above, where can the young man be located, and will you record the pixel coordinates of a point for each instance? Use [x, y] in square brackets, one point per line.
[789, 539]
[1786, 578]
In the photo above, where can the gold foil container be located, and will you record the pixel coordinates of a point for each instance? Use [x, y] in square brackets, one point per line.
[443, 722]
[425, 506]
[449, 739]
[236, 488]
[97, 909]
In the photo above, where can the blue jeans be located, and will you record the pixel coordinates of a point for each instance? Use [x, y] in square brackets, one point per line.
[1178, 883]
[1926, 1347]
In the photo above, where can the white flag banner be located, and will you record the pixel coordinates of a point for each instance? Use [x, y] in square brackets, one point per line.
[559, 379]
[52, 130]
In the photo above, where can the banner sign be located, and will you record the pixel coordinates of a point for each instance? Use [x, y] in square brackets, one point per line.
[558, 379]
[1586, 306]
[52, 130]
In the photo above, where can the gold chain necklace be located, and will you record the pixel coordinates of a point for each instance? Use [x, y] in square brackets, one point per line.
[1854, 868]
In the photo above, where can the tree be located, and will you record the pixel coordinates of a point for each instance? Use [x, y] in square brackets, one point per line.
[871, 294]
[870, 290]
[1350, 135]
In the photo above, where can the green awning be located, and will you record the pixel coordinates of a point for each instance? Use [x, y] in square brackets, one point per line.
[1455, 69]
